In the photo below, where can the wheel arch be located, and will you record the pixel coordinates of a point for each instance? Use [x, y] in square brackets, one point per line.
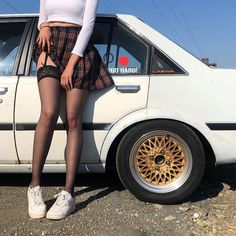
[111, 154]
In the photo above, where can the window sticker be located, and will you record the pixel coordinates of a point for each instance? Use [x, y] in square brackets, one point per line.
[123, 61]
[108, 57]
[124, 70]
[163, 71]
[123, 67]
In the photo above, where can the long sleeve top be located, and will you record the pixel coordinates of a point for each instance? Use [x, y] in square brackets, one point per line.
[82, 12]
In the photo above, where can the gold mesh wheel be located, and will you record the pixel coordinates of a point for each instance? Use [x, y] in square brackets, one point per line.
[161, 161]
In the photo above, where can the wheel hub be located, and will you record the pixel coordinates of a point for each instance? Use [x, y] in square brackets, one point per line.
[160, 160]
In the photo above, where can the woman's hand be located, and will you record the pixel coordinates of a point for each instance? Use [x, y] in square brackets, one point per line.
[44, 39]
[66, 77]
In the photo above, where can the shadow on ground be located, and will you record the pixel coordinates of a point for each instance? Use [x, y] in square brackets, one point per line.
[105, 183]
[210, 187]
[213, 180]
[93, 181]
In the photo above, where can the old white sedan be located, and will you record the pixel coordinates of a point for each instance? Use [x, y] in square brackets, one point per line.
[167, 115]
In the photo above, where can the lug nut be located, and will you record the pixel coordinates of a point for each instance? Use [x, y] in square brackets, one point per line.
[168, 163]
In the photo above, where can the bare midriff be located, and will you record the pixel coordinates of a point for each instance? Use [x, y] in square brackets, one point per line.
[59, 23]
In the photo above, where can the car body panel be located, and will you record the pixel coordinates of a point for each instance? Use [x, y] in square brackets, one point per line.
[222, 142]
[103, 108]
[7, 97]
[208, 98]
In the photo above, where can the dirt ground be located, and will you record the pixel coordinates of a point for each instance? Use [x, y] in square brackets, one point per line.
[105, 208]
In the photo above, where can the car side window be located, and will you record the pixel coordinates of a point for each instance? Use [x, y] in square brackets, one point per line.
[163, 65]
[128, 55]
[33, 69]
[101, 37]
[10, 38]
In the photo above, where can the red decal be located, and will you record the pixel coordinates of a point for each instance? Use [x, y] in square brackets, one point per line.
[124, 61]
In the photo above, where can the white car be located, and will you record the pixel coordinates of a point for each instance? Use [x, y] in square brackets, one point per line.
[167, 115]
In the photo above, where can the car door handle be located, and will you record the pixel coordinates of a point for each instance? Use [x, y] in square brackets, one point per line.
[3, 90]
[128, 88]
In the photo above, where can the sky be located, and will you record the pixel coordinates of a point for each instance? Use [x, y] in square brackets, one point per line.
[206, 28]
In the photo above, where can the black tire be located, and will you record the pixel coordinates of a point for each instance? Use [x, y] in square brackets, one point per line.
[183, 161]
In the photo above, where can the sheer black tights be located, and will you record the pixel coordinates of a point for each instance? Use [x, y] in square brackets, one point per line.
[49, 90]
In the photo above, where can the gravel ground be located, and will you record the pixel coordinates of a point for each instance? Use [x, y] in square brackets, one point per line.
[105, 208]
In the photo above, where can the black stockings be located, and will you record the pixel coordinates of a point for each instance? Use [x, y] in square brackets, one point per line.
[49, 89]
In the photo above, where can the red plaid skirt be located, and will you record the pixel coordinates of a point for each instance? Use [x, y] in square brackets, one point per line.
[90, 72]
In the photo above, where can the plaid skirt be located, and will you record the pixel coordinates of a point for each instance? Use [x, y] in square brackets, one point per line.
[90, 72]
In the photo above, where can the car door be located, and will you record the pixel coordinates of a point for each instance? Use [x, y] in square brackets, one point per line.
[127, 58]
[12, 36]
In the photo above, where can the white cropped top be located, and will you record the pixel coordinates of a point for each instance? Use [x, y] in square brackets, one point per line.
[82, 12]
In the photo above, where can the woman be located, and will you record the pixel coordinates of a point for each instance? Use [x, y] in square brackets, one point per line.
[65, 59]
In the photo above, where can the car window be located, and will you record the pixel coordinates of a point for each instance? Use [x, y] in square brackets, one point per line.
[10, 38]
[101, 37]
[163, 65]
[33, 70]
[127, 54]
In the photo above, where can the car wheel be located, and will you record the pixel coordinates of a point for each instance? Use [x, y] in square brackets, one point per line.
[160, 161]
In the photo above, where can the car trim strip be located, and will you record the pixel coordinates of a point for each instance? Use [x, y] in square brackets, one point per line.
[104, 126]
[6, 126]
[222, 126]
[86, 126]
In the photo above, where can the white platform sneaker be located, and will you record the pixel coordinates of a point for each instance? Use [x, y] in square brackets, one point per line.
[36, 206]
[63, 206]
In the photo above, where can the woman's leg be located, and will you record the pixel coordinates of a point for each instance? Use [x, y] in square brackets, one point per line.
[49, 90]
[75, 103]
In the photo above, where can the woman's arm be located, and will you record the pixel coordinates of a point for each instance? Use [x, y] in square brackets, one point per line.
[81, 42]
[44, 37]
[42, 14]
[87, 27]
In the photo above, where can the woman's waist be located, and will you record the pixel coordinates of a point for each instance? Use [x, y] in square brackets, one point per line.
[65, 29]
[63, 24]
[57, 20]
